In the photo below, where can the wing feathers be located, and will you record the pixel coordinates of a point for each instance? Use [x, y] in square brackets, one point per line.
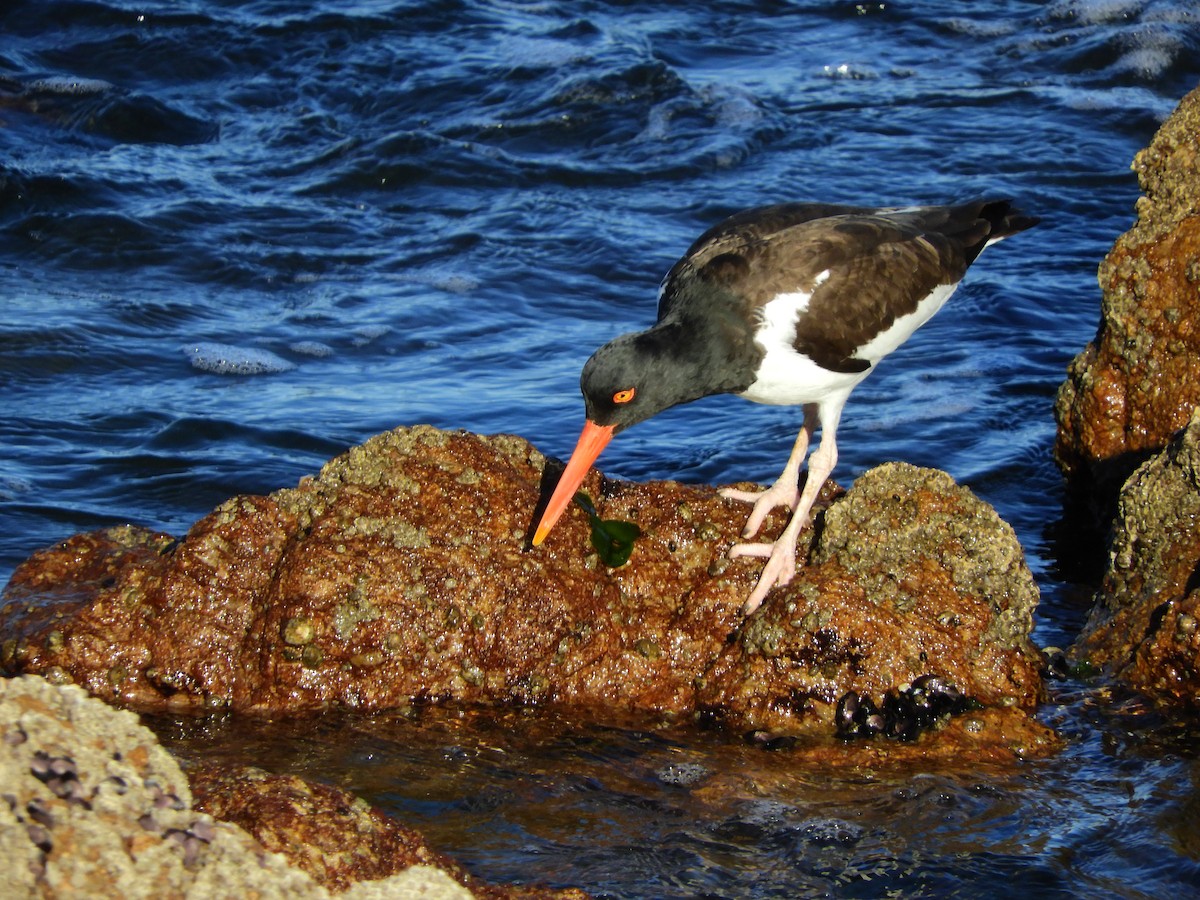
[863, 268]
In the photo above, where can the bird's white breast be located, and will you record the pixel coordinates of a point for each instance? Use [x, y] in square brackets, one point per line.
[785, 377]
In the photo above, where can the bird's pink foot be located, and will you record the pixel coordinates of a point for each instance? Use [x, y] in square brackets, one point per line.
[779, 569]
[779, 494]
[780, 565]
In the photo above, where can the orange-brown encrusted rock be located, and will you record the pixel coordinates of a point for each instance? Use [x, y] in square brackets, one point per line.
[1138, 381]
[912, 576]
[334, 836]
[1145, 628]
[402, 574]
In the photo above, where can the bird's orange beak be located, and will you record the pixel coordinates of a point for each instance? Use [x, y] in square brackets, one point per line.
[592, 440]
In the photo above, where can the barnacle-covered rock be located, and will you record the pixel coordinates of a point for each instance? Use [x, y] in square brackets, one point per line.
[1138, 381]
[1144, 628]
[93, 806]
[401, 573]
[912, 576]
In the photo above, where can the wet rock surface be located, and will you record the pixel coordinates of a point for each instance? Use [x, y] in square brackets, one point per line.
[1145, 628]
[1137, 382]
[1128, 396]
[332, 835]
[93, 806]
[911, 577]
[400, 575]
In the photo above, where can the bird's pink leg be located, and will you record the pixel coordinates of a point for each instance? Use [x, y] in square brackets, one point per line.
[780, 567]
[780, 555]
[784, 492]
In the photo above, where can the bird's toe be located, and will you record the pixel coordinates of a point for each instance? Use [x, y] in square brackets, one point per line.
[779, 569]
[753, 602]
[760, 550]
[742, 496]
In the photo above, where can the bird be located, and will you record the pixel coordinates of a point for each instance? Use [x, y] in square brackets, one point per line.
[788, 304]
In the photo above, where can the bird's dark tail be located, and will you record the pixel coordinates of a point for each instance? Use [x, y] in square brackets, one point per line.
[994, 221]
[972, 225]
[1004, 218]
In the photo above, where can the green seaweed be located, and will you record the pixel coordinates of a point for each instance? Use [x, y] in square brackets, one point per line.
[612, 538]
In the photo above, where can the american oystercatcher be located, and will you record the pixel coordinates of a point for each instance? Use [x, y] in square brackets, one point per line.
[792, 304]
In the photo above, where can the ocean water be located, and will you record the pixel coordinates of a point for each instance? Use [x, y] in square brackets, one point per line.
[238, 237]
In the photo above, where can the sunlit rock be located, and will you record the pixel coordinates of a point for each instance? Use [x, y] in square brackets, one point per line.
[401, 574]
[1138, 381]
[94, 807]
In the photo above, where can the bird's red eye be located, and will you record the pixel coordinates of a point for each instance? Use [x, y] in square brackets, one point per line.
[624, 396]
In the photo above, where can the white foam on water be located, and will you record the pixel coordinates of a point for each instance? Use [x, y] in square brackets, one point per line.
[227, 359]
[70, 86]
[1094, 12]
[1173, 15]
[980, 29]
[368, 333]
[541, 52]
[1111, 99]
[849, 71]
[451, 282]
[456, 284]
[311, 348]
[1146, 62]
[1151, 48]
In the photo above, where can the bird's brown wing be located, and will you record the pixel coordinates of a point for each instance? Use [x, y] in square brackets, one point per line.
[863, 271]
[724, 252]
[884, 271]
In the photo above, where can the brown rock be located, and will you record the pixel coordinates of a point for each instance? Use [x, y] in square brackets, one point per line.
[912, 575]
[93, 806]
[1138, 381]
[400, 574]
[332, 835]
[1145, 628]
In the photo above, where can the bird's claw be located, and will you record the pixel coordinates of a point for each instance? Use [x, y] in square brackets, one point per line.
[764, 502]
[779, 569]
[759, 550]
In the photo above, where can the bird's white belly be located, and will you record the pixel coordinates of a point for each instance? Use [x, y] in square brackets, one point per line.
[786, 377]
[902, 329]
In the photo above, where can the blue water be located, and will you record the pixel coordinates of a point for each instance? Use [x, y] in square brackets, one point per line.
[237, 238]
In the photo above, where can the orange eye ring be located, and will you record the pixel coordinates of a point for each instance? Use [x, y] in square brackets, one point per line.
[624, 396]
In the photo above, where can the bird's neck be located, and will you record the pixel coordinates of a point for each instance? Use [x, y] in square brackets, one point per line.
[711, 351]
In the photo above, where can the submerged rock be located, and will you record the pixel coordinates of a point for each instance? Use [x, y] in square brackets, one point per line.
[1145, 628]
[1138, 381]
[401, 574]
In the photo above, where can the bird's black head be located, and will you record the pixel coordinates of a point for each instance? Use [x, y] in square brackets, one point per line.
[637, 376]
